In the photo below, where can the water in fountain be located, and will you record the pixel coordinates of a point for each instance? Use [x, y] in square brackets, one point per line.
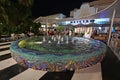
[57, 38]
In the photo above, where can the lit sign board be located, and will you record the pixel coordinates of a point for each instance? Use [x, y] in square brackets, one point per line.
[101, 20]
[86, 21]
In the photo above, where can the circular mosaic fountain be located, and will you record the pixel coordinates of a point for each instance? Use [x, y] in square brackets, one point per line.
[57, 53]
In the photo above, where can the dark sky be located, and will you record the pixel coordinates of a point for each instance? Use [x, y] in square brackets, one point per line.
[48, 7]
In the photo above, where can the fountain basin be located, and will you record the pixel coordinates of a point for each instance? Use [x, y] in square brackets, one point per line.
[51, 56]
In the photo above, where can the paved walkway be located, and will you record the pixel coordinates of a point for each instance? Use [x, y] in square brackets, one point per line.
[108, 69]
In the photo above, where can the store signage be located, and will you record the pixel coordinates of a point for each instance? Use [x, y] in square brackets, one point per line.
[86, 21]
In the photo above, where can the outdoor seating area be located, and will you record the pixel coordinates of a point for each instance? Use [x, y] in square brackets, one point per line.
[115, 44]
[12, 37]
[102, 37]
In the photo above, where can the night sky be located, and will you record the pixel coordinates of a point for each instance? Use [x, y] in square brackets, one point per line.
[48, 7]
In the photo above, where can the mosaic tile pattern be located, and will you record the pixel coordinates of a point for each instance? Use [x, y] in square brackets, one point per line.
[89, 53]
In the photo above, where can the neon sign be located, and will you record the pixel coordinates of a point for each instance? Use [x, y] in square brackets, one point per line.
[86, 21]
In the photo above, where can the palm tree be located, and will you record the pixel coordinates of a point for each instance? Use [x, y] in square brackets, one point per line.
[27, 3]
[12, 14]
[3, 14]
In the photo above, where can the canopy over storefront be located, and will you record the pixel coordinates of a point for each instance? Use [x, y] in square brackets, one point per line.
[105, 13]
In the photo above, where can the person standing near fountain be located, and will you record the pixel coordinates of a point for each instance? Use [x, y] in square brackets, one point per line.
[70, 33]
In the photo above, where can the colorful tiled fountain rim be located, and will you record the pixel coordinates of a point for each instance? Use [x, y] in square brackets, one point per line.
[58, 53]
